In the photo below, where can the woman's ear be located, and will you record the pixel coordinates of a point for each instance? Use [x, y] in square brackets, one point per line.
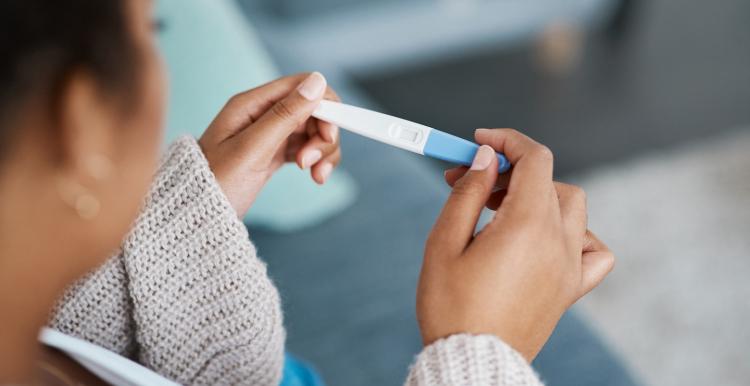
[87, 126]
[87, 129]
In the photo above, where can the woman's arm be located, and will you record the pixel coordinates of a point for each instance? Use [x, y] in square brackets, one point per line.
[197, 304]
[509, 284]
[466, 360]
[187, 295]
[204, 309]
[97, 308]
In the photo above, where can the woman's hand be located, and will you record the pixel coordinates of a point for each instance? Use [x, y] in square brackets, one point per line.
[261, 129]
[519, 274]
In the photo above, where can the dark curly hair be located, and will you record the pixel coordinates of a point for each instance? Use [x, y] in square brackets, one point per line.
[43, 41]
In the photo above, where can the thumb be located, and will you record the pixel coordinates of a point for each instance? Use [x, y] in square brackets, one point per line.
[264, 137]
[455, 226]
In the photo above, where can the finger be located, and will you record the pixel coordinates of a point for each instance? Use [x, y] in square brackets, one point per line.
[594, 268]
[591, 243]
[531, 180]
[264, 137]
[498, 192]
[496, 199]
[311, 127]
[327, 130]
[455, 226]
[573, 209]
[453, 175]
[245, 108]
[322, 170]
[294, 144]
[314, 150]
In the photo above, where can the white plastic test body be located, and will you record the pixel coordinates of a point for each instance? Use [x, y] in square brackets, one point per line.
[110, 367]
[403, 134]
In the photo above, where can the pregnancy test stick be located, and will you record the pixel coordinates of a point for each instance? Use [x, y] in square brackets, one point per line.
[110, 367]
[403, 134]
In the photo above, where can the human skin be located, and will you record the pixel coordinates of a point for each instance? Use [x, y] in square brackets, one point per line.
[533, 260]
[45, 244]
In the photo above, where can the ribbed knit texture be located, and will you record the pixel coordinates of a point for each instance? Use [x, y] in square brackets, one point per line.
[187, 297]
[463, 360]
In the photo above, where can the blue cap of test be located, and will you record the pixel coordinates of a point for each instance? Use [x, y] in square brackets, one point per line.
[448, 147]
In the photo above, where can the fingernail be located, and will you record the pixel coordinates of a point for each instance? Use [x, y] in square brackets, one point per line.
[334, 131]
[477, 131]
[311, 158]
[325, 171]
[330, 129]
[313, 87]
[483, 158]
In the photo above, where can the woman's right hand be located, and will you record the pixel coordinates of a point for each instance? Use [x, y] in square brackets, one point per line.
[261, 129]
[518, 275]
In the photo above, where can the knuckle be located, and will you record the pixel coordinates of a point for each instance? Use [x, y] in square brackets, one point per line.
[235, 100]
[543, 153]
[240, 97]
[282, 110]
[578, 193]
[242, 100]
[508, 131]
[237, 96]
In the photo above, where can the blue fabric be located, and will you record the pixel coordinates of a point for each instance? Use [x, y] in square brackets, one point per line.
[299, 373]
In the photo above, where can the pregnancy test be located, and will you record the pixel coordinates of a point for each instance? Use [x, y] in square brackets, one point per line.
[403, 134]
[110, 367]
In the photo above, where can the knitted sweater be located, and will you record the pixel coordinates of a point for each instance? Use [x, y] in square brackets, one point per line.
[187, 296]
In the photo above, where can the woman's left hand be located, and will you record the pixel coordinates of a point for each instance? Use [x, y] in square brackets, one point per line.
[261, 129]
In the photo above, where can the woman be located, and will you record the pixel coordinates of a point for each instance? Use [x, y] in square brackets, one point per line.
[184, 294]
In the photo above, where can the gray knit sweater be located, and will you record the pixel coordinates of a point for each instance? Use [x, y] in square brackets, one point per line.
[188, 297]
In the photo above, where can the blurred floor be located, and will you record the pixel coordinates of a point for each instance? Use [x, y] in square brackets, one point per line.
[678, 303]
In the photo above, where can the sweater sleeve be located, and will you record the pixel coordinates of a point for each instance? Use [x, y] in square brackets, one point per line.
[197, 301]
[97, 308]
[468, 360]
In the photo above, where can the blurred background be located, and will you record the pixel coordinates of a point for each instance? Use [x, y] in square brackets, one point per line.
[646, 104]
